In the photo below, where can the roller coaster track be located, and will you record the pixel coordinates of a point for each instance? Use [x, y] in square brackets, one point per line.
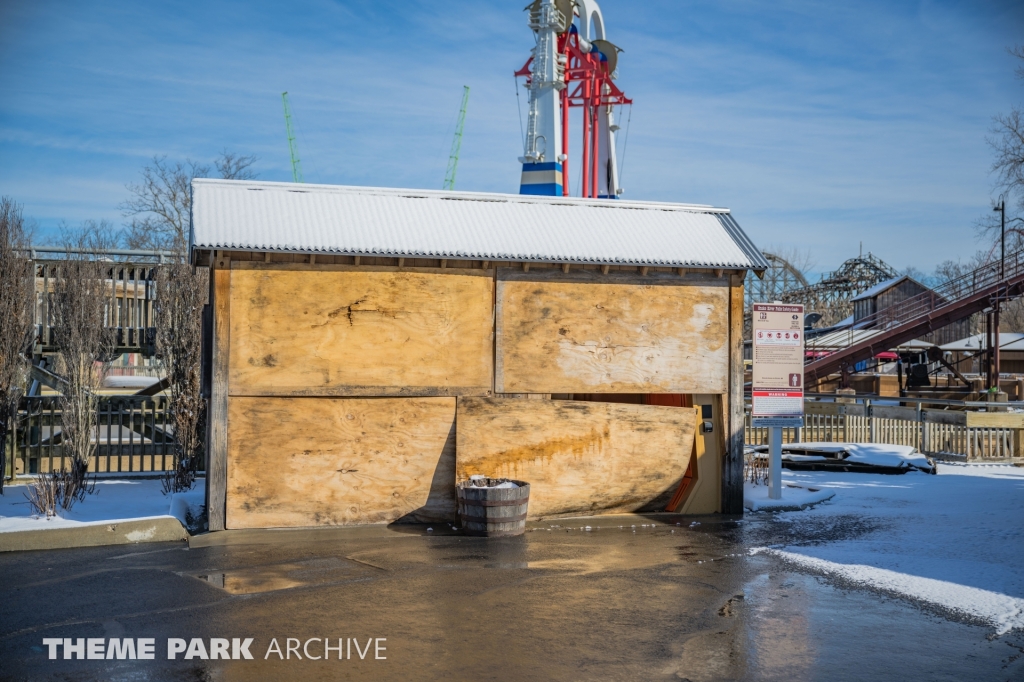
[931, 310]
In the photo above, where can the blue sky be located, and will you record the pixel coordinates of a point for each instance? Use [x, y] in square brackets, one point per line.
[821, 124]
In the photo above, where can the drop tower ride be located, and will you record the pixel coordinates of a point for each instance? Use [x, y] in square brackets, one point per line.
[572, 66]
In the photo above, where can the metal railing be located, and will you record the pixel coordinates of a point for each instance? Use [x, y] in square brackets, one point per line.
[985, 277]
[134, 434]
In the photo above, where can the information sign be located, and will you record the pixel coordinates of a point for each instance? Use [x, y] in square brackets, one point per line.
[778, 378]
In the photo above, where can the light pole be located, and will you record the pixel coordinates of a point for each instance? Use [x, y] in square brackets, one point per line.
[1001, 207]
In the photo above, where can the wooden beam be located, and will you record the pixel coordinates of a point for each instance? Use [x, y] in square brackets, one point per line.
[356, 261]
[732, 458]
[153, 389]
[312, 258]
[719, 272]
[444, 263]
[486, 264]
[266, 257]
[605, 269]
[526, 267]
[681, 272]
[401, 262]
[643, 270]
[565, 267]
[217, 421]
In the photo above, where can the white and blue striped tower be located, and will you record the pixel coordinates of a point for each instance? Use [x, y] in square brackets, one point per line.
[542, 162]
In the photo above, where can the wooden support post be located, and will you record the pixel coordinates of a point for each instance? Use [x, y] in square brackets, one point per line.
[486, 264]
[526, 267]
[565, 267]
[732, 458]
[719, 272]
[217, 420]
[605, 269]
[401, 262]
[312, 259]
[643, 270]
[355, 261]
[266, 257]
[444, 262]
[681, 271]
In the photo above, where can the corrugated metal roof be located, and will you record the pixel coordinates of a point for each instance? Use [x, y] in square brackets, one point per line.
[366, 221]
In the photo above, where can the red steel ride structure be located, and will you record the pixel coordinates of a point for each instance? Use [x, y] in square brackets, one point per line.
[589, 85]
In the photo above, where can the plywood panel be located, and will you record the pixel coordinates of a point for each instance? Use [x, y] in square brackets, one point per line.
[360, 331]
[611, 337]
[579, 457]
[296, 462]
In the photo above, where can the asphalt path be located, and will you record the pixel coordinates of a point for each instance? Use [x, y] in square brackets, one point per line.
[634, 598]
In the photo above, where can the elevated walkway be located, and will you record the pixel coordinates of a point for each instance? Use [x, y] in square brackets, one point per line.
[916, 316]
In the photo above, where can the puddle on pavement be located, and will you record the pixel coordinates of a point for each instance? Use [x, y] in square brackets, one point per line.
[287, 576]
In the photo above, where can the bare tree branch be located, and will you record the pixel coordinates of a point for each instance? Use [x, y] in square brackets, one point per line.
[159, 206]
[17, 296]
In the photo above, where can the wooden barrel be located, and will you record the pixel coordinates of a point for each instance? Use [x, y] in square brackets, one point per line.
[493, 512]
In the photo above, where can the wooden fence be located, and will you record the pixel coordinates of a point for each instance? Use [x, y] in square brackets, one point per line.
[960, 434]
[134, 435]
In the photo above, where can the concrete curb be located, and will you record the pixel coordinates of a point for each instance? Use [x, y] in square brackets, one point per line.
[160, 529]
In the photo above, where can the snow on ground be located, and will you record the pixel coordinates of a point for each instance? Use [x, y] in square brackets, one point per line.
[755, 497]
[954, 540]
[114, 500]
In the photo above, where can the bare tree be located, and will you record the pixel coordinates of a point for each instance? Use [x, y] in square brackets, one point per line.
[159, 209]
[17, 294]
[181, 294]
[159, 206]
[1007, 142]
[84, 348]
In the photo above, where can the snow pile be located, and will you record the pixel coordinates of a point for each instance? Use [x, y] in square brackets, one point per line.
[1004, 612]
[190, 509]
[953, 541]
[481, 481]
[113, 501]
[902, 457]
[794, 497]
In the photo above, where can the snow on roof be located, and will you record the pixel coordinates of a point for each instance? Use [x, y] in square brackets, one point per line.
[1007, 341]
[368, 221]
[879, 288]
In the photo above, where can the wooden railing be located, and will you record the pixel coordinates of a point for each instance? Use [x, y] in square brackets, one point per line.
[134, 435]
[130, 290]
[956, 434]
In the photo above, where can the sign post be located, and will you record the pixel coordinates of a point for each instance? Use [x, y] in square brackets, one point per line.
[777, 388]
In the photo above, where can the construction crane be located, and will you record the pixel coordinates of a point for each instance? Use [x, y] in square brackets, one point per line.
[453, 157]
[292, 148]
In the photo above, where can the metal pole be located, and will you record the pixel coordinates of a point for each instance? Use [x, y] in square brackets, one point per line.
[585, 163]
[1002, 277]
[1002, 237]
[565, 135]
[775, 463]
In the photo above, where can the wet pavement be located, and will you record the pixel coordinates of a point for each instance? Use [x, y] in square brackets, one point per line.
[671, 598]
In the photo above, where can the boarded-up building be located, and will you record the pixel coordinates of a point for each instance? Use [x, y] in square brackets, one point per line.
[372, 347]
